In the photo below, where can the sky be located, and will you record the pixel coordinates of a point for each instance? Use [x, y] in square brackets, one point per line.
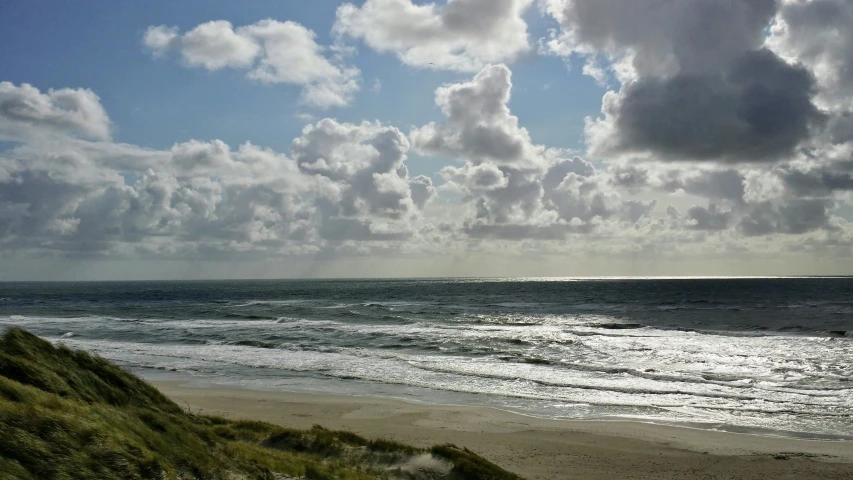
[402, 138]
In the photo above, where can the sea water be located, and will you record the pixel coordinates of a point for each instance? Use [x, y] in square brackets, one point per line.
[768, 355]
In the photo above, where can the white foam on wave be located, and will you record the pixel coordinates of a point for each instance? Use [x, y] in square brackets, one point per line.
[750, 405]
[578, 359]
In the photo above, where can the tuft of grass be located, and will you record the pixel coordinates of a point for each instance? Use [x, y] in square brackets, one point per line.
[65, 414]
[468, 465]
[390, 446]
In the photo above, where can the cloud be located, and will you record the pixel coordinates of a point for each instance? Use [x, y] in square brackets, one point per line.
[758, 110]
[819, 34]
[481, 177]
[792, 217]
[366, 190]
[840, 128]
[341, 183]
[72, 196]
[212, 45]
[697, 82]
[422, 189]
[790, 199]
[716, 184]
[711, 218]
[479, 124]
[512, 186]
[816, 180]
[24, 110]
[662, 38]
[197, 197]
[304, 117]
[344, 189]
[272, 52]
[461, 35]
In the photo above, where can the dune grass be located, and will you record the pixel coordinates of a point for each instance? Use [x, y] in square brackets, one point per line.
[65, 414]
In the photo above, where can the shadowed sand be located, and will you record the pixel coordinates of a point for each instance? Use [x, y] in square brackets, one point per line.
[538, 448]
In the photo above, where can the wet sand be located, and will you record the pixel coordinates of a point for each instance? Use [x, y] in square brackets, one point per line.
[537, 448]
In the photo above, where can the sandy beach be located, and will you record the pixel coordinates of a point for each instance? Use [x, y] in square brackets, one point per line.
[533, 447]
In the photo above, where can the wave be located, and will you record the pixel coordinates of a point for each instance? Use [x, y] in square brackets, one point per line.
[566, 342]
[21, 320]
[522, 304]
[792, 328]
[616, 326]
[524, 379]
[663, 391]
[252, 303]
[774, 411]
[250, 316]
[680, 307]
[254, 343]
[594, 387]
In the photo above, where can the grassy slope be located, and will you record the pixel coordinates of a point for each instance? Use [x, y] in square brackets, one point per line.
[66, 415]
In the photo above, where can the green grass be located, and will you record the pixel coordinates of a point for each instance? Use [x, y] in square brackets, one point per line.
[65, 414]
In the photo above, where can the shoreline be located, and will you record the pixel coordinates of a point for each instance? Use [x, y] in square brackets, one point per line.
[537, 448]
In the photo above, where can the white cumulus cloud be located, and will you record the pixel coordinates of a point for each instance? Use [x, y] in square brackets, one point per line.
[462, 35]
[271, 51]
[24, 111]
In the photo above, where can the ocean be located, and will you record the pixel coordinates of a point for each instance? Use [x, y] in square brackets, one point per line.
[763, 355]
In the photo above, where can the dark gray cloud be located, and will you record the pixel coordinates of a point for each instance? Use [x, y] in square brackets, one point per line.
[760, 109]
[523, 232]
[714, 184]
[634, 210]
[558, 171]
[630, 177]
[727, 184]
[662, 37]
[710, 218]
[337, 229]
[583, 198]
[819, 182]
[792, 217]
[841, 128]
[698, 82]
[422, 190]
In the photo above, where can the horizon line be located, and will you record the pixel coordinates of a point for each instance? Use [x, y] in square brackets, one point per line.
[496, 278]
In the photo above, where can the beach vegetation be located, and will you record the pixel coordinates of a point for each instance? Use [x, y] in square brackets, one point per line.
[66, 414]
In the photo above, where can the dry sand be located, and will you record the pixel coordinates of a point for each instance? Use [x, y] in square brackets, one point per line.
[538, 448]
